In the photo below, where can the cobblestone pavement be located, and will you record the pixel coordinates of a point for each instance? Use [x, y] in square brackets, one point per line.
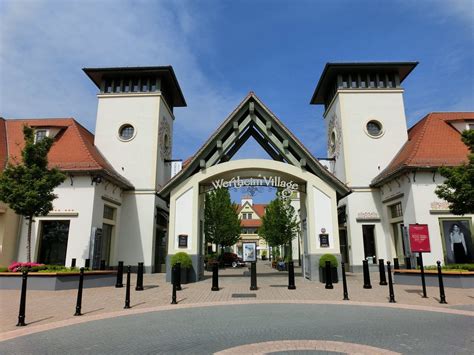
[51, 309]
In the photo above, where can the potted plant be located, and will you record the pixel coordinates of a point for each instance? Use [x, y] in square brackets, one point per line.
[264, 255]
[186, 263]
[322, 267]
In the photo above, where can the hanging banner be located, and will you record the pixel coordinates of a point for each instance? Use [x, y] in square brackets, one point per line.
[419, 238]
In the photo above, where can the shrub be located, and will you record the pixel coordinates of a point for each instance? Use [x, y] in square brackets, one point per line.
[460, 267]
[183, 258]
[328, 257]
[3, 269]
[264, 253]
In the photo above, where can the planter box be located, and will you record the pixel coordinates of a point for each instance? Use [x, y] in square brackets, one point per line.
[184, 276]
[57, 281]
[454, 279]
[322, 275]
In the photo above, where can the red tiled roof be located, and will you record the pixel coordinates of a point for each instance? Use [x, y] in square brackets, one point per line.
[73, 149]
[432, 143]
[259, 208]
[250, 222]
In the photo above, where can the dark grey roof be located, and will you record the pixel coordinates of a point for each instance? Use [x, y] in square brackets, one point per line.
[332, 69]
[164, 72]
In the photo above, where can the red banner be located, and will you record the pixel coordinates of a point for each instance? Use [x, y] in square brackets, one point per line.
[419, 238]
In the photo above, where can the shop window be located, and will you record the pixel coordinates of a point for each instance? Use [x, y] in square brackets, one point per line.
[53, 242]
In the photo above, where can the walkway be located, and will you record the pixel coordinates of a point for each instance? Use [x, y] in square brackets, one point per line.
[206, 321]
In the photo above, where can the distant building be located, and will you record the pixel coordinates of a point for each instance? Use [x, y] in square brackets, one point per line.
[250, 215]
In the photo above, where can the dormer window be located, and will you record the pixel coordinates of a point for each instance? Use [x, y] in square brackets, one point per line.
[40, 134]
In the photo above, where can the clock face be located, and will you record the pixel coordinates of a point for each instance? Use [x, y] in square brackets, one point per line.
[165, 139]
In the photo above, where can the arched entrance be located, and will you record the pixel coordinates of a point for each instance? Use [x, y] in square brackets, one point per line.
[292, 164]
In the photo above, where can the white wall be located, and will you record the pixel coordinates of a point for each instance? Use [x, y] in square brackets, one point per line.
[184, 215]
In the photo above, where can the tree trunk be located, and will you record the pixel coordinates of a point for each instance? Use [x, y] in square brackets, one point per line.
[28, 240]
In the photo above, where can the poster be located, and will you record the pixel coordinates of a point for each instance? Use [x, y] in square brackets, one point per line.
[419, 238]
[457, 240]
[250, 252]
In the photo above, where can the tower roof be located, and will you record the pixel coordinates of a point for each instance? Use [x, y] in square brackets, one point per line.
[166, 73]
[331, 70]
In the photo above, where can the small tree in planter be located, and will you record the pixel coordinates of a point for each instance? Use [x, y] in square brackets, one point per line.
[264, 255]
[322, 267]
[186, 264]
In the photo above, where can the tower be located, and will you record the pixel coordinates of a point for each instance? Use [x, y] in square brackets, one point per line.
[134, 129]
[366, 127]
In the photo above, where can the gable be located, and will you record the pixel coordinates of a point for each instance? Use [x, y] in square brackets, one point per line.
[252, 118]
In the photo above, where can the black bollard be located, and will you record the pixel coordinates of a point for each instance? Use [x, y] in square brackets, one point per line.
[73, 262]
[383, 280]
[215, 277]
[174, 282]
[396, 265]
[291, 276]
[102, 265]
[21, 313]
[390, 284]
[328, 276]
[344, 282]
[178, 277]
[127, 290]
[423, 283]
[365, 265]
[139, 286]
[442, 296]
[79, 293]
[119, 282]
[253, 276]
[87, 265]
[408, 263]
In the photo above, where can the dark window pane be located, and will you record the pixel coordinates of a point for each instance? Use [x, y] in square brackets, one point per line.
[53, 242]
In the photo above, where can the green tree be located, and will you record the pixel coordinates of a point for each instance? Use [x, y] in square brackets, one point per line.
[27, 186]
[458, 189]
[221, 220]
[279, 224]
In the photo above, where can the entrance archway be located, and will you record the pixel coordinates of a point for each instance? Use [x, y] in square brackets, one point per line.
[292, 163]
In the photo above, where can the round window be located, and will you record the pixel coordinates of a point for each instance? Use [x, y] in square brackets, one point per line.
[374, 128]
[126, 132]
[166, 141]
[332, 143]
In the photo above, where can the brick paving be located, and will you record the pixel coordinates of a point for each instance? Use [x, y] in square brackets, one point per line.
[49, 307]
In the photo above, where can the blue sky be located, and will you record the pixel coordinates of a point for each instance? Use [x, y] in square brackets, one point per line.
[220, 50]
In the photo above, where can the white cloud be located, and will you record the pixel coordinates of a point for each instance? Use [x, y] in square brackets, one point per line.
[44, 45]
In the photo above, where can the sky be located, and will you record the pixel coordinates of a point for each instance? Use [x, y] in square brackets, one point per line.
[221, 50]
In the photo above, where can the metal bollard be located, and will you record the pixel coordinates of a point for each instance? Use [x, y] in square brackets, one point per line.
[291, 276]
[119, 282]
[178, 277]
[139, 286]
[328, 276]
[408, 263]
[396, 265]
[79, 293]
[215, 277]
[383, 280]
[102, 265]
[365, 265]
[73, 262]
[390, 284]
[174, 277]
[253, 276]
[344, 282]
[442, 296]
[87, 264]
[423, 283]
[21, 313]
[127, 290]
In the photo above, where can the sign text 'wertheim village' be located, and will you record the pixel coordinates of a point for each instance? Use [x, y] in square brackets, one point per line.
[287, 187]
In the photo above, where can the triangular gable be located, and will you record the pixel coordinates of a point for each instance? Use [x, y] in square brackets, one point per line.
[252, 118]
